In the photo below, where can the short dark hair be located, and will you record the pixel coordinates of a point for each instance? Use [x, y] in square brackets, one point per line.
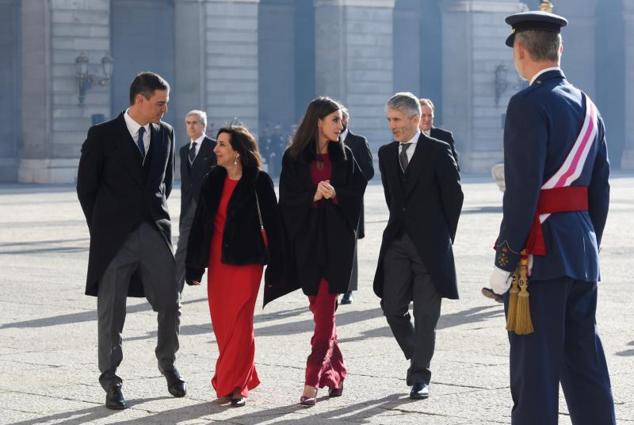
[146, 83]
[243, 142]
[541, 45]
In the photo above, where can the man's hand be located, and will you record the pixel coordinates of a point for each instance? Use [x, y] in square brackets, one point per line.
[500, 281]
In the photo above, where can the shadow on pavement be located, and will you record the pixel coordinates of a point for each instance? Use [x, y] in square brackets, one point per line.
[78, 417]
[84, 316]
[626, 353]
[353, 413]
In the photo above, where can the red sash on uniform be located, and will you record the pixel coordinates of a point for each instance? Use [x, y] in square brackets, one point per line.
[557, 194]
[561, 199]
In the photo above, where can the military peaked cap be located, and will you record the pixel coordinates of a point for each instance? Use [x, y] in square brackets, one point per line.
[534, 21]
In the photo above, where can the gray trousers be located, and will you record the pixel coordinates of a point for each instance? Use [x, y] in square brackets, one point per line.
[407, 279]
[146, 254]
[184, 227]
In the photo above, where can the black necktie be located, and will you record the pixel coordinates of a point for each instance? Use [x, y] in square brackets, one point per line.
[402, 157]
[192, 153]
[140, 143]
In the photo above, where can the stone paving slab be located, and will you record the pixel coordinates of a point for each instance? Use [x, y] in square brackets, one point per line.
[48, 331]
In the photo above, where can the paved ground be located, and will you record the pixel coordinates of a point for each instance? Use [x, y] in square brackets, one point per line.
[48, 331]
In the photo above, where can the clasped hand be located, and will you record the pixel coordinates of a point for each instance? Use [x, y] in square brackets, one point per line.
[324, 191]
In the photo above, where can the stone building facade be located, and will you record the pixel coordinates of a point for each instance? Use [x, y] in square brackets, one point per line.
[261, 61]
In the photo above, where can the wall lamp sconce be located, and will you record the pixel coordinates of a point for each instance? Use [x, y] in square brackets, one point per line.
[501, 82]
[85, 80]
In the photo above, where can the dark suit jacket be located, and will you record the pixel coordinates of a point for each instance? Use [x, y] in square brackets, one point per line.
[447, 137]
[362, 154]
[117, 193]
[425, 203]
[242, 239]
[192, 175]
[320, 237]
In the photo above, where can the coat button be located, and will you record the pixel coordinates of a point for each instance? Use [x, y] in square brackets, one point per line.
[404, 209]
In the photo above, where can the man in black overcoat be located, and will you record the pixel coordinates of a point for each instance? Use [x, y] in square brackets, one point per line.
[124, 178]
[428, 129]
[423, 193]
[362, 154]
[197, 158]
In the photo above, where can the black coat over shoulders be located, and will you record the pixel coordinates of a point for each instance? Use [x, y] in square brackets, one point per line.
[118, 191]
[242, 240]
[320, 239]
[424, 202]
[363, 155]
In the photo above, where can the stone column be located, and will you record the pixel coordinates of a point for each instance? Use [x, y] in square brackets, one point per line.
[54, 34]
[353, 57]
[627, 160]
[478, 77]
[190, 62]
[231, 62]
[579, 36]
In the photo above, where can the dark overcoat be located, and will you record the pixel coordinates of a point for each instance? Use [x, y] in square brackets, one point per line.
[447, 137]
[192, 174]
[425, 203]
[363, 155]
[118, 191]
[320, 237]
[242, 242]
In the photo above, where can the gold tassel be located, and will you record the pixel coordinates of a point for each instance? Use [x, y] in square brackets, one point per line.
[512, 308]
[523, 322]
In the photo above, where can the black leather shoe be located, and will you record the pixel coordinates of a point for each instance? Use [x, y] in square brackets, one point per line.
[419, 391]
[114, 398]
[175, 384]
[347, 298]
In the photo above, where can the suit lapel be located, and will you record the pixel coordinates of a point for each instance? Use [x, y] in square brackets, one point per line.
[130, 151]
[394, 167]
[204, 151]
[158, 152]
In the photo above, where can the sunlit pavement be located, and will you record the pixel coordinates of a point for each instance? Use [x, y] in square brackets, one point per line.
[48, 330]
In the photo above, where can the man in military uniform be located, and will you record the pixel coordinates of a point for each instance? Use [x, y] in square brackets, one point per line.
[555, 208]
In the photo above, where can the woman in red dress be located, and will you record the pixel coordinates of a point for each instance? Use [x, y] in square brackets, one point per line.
[321, 190]
[237, 202]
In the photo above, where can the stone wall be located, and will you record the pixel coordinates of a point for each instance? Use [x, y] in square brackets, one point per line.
[55, 33]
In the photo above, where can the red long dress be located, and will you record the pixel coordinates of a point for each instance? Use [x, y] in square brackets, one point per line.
[325, 366]
[232, 292]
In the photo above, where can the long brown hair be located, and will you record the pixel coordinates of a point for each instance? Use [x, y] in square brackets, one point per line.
[243, 142]
[307, 132]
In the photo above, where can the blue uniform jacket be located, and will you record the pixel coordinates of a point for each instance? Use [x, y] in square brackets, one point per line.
[542, 124]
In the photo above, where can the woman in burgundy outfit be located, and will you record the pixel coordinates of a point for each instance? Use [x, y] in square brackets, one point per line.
[321, 189]
[236, 199]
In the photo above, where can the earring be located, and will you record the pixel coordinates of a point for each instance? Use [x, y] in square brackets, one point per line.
[235, 160]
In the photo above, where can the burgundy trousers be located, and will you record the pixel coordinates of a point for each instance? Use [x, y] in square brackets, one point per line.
[324, 366]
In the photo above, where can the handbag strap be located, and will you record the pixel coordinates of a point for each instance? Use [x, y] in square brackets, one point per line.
[257, 204]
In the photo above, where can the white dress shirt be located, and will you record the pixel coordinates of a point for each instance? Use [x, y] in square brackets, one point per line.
[133, 128]
[411, 149]
[198, 142]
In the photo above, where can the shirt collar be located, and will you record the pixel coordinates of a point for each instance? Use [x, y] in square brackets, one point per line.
[543, 71]
[415, 138]
[198, 141]
[133, 126]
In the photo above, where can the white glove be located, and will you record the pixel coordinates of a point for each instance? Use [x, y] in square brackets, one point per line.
[500, 281]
